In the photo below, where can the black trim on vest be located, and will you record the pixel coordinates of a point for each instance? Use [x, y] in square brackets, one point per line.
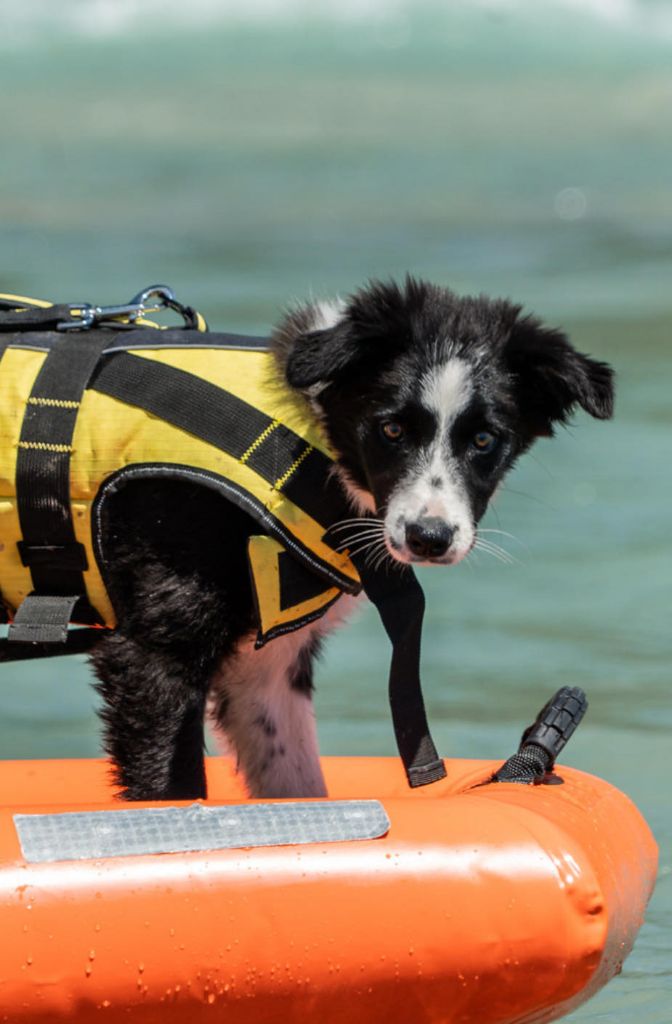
[233, 492]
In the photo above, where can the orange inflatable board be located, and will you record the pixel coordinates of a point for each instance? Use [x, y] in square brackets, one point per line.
[451, 903]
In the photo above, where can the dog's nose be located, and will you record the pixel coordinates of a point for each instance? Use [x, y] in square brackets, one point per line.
[429, 537]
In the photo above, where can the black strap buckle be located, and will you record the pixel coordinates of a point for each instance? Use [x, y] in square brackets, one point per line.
[58, 557]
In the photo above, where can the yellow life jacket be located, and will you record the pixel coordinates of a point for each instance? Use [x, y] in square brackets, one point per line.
[182, 403]
[92, 397]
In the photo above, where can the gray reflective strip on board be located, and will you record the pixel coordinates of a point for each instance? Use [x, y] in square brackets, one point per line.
[95, 834]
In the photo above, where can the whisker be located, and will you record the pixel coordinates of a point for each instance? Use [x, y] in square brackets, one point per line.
[496, 557]
[542, 465]
[381, 559]
[491, 545]
[367, 531]
[375, 553]
[493, 549]
[363, 547]
[355, 540]
[523, 494]
[506, 555]
[503, 533]
[361, 520]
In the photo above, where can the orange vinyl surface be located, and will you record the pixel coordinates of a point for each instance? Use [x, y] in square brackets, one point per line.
[503, 903]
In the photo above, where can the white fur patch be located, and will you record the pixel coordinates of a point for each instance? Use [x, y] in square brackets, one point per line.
[434, 488]
[267, 724]
[446, 391]
[328, 313]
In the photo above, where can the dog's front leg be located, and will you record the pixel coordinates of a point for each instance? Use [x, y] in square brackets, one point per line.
[153, 715]
[261, 708]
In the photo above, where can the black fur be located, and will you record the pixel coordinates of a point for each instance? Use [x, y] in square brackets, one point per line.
[180, 579]
[182, 594]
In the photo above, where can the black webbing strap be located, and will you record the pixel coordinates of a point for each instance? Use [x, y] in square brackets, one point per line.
[280, 456]
[49, 547]
[401, 603]
[34, 318]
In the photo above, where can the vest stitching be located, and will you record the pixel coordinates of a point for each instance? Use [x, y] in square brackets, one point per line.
[57, 403]
[260, 440]
[281, 481]
[43, 446]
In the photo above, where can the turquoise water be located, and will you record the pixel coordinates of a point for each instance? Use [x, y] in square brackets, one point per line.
[250, 157]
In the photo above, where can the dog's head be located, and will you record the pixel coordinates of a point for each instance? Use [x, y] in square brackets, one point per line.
[428, 399]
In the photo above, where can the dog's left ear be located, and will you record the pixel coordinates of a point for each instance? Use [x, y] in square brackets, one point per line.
[320, 356]
[551, 377]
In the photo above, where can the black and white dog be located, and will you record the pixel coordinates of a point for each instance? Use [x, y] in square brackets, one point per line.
[427, 399]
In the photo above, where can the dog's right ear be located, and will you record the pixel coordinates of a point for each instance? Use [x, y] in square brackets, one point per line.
[317, 344]
[320, 356]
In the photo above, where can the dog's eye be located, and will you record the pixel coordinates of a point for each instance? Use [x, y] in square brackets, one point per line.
[484, 442]
[391, 430]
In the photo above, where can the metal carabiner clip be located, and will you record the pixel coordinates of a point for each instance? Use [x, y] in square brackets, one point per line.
[85, 315]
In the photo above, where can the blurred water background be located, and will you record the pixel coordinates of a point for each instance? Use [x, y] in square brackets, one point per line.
[250, 153]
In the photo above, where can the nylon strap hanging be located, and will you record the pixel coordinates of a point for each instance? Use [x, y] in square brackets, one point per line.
[400, 602]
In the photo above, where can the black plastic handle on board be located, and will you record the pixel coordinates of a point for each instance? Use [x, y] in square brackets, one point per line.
[542, 742]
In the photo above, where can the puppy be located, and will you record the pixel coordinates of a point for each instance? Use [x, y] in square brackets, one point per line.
[427, 399]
